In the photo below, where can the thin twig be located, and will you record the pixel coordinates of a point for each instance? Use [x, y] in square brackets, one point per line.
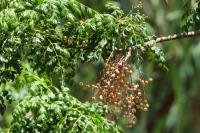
[59, 63]
[128, 55]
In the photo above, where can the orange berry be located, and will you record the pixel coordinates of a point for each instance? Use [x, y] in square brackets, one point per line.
[145, 109]
[139, 93]
[101, 97]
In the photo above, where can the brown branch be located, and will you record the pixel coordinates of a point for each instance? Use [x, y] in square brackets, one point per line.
[166, 38]
[178, 36]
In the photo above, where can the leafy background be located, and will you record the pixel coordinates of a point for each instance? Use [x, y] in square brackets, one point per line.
[174, 95]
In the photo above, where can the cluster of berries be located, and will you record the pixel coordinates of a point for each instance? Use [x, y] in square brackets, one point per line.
[116, 89]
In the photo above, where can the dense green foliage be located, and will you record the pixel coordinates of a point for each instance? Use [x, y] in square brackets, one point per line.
[192, 15]
[4, 97]
[53, 37]
[46, 109]
[43, 42]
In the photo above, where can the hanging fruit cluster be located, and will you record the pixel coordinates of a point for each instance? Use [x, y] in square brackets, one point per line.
[115, 88]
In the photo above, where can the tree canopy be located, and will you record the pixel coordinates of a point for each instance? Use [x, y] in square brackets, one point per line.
[44, 42]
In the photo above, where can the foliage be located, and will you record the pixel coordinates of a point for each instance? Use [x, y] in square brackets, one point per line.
[54, 37]
[4, 96]
[173, 96]
[192, 15]
[46, 109]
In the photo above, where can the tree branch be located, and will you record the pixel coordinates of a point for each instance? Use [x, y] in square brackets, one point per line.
[166, 38]
[178, 36]
[128, 54]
